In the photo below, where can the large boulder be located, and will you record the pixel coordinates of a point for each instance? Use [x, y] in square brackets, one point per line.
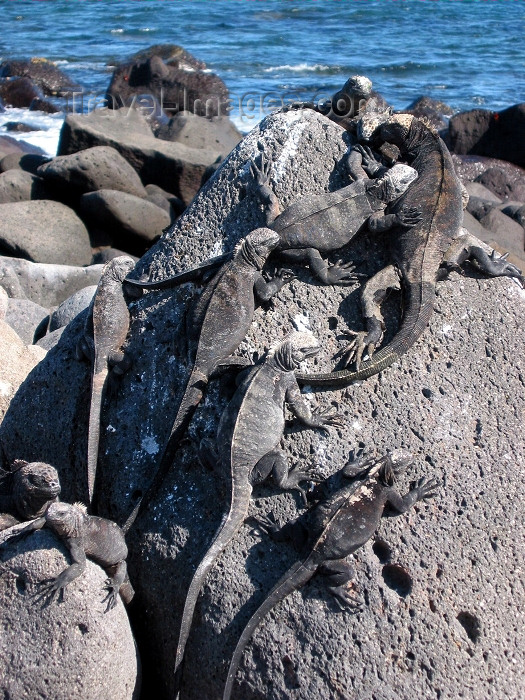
[27, 162]
[93, 169]
[46, 74]
[66, 649]
[132, 223]
[10, 145]
[43, 231]
[18, 359]
[175, 88]
[486, 133]
[45, 284]
[24, 316]
[19, 92]
[173, 166]
[439, 584]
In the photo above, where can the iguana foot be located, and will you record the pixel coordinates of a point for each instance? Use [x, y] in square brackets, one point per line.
[345, 600]
[342, 273]
[427, 488]
[111, 596]
[500, 267]
[363, 342]
[411, 216]
[49, 591]
[323, 419]
[359, 461]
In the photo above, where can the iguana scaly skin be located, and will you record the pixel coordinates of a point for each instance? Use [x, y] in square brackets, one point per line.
[223, 316]
[248, 436]
[84, 536]
[417, 249]
[325, 222]
[34, 486]
[107, 326]
[336, 528]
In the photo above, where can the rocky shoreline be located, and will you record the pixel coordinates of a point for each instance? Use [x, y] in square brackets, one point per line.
[443, 586]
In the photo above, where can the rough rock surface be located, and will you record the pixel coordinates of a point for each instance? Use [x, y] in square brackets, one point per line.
[444, 600]
[47, 285]
[67, 650]
[18, 360]
[71, 307]
[173, 166]
[22, 161]
[44, 73]
[43, 231]
[497, 180]
[219, 134]
[93, 169]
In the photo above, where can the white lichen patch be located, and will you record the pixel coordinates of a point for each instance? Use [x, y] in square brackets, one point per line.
[5, 388]
[111, 429]
[447, 329]
[301, 323]
[290, 147]
[150, 445]
[357, 426]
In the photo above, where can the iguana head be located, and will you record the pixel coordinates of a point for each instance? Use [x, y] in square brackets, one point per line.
[395, 463]
[384, 126]
[296, 347]
[118, 268]
[346, 101]
[393, 184]
[257, 246]
[36, 478]
[65, 519]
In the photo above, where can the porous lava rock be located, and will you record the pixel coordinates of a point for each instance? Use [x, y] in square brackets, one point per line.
[175, 88]
[43, 231]
[19, 92]
[20, 186]
[486, 133]
[443, 598]
[173, 166]
[24, 316]
[218, 134]
[61, 650]
[46, 74]
[28, 162]
[93, 169]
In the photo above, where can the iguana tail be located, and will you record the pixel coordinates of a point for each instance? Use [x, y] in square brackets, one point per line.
[98, 384]
[419, 308]
[293, 579]
[240, 502]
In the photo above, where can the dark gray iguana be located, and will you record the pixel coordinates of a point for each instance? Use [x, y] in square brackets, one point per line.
[84, 536]
[335, 528]
[33, 487]
[323, 223]
[107, 326]
[223, 315]
[420, 252]
[248, 437]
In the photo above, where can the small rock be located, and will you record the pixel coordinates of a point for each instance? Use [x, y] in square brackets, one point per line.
[28, 162]
[10, 145]
[42, 72]
[19, 127]
[476, 189]
[504, 184]
[507, 232]
[43, 231]
[49, 340]
[19, 92]
[218, 134]
[70, 308]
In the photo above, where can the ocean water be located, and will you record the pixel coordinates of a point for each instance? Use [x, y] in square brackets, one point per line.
[467, 53]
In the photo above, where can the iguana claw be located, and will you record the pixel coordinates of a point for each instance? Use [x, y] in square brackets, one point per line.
[343, 273]
[345, 600]
[111, 596]
[363, 342]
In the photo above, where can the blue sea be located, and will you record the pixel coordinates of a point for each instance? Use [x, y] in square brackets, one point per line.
[467, 53]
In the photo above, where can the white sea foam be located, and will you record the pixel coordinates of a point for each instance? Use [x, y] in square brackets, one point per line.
[47, 128]
[298, 68]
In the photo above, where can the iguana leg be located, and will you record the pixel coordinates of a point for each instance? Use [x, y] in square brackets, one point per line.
[116, 576]
[339, 273]
[373, 294]
[276, 464]
[261, 175]
[466, 247]
[293, 530]
[339, 572]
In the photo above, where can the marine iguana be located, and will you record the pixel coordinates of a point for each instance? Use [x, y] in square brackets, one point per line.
[336, 527]
[418, 251]
[325, 222]
[248, 436]
[106, 328]
[33, 487]
[223, 316]
[84, 536]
